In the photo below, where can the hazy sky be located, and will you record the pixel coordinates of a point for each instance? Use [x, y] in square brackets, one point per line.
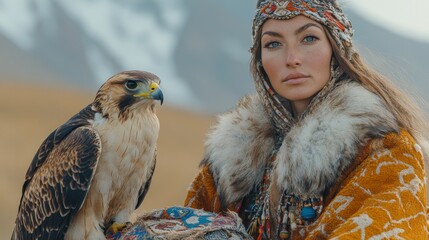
[406, 17]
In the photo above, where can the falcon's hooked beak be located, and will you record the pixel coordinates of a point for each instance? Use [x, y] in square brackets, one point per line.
[154, 92]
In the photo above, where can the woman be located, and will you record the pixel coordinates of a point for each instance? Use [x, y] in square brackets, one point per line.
[327, 148]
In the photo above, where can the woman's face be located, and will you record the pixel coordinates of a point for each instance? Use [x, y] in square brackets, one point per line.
[296, 55]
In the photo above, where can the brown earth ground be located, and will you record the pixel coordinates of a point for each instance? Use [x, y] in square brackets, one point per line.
[28, 114]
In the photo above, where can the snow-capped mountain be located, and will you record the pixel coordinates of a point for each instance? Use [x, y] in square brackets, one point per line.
[87, 41]
[198, 48]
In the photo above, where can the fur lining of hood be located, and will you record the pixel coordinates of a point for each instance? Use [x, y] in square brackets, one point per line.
[313, 153]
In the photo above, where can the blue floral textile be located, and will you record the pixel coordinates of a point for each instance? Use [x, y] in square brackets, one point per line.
[184, 223]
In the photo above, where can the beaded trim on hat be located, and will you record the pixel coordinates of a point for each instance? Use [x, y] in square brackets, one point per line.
[326, 12]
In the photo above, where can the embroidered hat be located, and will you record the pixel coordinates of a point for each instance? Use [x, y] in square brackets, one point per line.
[326, 12]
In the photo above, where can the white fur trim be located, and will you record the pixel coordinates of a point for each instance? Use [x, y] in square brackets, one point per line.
[313, 153]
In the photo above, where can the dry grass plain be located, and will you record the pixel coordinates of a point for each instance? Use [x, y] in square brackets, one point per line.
[29, 113]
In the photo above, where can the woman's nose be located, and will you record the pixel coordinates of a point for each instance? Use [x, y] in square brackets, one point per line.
[292, 58]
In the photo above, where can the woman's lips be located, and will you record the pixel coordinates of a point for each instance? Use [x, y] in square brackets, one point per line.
[295, 78]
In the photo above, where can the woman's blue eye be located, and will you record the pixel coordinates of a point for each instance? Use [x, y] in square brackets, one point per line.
[310, 39]
[272, 45]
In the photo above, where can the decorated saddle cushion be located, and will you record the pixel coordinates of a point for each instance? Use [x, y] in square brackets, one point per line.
[184, 223]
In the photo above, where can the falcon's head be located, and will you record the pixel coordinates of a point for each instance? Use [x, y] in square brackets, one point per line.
[128, 91]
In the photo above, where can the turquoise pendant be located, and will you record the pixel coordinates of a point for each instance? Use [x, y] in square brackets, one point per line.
[308, 213]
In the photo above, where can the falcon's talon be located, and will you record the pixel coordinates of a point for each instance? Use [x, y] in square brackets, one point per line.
[117, 227]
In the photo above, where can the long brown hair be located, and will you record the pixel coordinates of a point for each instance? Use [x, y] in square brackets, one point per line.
[407, 112]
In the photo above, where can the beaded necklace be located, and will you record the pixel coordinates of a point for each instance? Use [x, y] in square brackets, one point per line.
[259, 212]
[294, 211]
[297, 212]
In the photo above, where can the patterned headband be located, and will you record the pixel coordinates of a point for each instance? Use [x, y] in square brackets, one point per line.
[326, 12]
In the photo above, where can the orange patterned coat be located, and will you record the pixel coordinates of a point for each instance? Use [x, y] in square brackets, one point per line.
[383, 195]
[378, 188]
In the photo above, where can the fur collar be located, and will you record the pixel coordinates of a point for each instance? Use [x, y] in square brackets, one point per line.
[313, 153]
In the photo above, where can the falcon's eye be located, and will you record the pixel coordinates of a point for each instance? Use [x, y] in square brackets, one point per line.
[131, 85]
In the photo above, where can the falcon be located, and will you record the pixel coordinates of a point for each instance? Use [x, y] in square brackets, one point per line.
[92, 172]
